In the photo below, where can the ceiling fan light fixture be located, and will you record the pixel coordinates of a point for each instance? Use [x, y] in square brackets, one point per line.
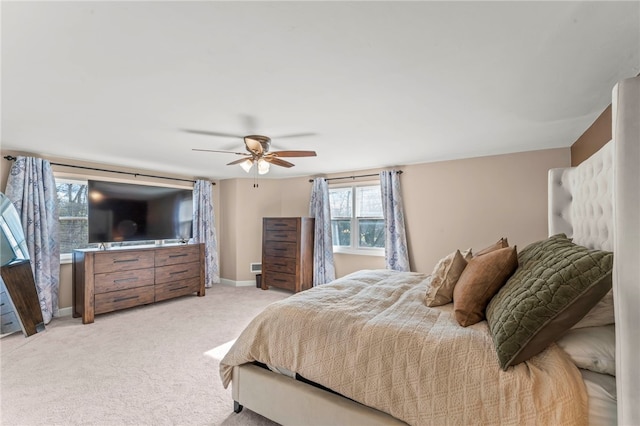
[263, 166]
[246, 165]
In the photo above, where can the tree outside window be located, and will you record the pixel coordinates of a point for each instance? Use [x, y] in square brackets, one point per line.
[73, 215]
[356, 217]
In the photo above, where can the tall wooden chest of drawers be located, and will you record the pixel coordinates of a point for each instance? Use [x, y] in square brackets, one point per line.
[113, 279]
[287, 253]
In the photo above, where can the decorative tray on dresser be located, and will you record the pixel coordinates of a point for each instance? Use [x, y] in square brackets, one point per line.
[287, 253]
[113, 279]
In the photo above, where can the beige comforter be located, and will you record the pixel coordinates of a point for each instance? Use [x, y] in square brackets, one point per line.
[370, 337]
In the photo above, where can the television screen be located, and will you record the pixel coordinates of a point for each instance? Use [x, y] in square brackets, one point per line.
[128, 212]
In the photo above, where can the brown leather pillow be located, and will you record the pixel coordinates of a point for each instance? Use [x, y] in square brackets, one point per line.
[480, 281]
[500, 244]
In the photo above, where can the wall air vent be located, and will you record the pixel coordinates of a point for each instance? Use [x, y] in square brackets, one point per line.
[255, 268]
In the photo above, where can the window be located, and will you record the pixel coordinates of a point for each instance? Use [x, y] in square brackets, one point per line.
[357, 222]
[72, 212]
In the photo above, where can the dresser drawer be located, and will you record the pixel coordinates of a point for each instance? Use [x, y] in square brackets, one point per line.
[279, 264]
[122, 261]
[281, 249]
[281, 224]
[115, 300]
[280, 280]
[122, 280]
[165, 274]
[5, 303]
[177, 288]
[276, 235]
[182, 254]
[9, 322]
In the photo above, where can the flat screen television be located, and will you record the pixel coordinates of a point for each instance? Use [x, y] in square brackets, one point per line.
[121, 212]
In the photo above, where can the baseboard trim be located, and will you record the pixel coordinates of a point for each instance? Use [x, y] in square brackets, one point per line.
[233, 283]
[65, 312]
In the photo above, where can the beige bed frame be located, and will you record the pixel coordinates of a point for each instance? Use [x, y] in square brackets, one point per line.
[288, 401]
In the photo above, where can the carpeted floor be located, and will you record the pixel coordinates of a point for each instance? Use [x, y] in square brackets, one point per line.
[151, 365]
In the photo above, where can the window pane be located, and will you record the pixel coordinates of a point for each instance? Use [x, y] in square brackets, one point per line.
[368, 201]
[72, 211]
[371, 232]
[340, 201]
[341, 232]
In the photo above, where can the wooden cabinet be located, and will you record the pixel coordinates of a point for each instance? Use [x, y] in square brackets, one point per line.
[19, 302]
[287, 253]
[113, 279]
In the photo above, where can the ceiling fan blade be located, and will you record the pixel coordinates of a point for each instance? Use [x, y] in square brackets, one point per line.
[294, 135]
[210, 133]
[293, 153]
[215, 150]
[278, 162]
[238, 161]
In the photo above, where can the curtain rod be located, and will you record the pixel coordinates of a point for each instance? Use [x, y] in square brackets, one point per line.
[357, 176]
[11, 158]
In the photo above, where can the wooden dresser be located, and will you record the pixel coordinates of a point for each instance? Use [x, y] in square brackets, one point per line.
[287, 253]
[113, 279]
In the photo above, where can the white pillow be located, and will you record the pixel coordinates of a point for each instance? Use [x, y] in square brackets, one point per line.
[601, 389]
[601, 314]
[592, 348]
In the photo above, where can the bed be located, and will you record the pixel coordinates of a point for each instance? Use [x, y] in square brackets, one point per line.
[426, 369]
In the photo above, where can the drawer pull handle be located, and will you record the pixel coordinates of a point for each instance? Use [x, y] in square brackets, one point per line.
[179, 288]
[179, 272]
[280, 280]
[281, 235]
[122, 299]
[124, 280]
[280, 224]
[279, 249]
[178, 255]
[8, 323]
[125, 260]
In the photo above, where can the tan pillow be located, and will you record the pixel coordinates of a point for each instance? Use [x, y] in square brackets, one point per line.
[480, 281]
[501, 243]
[445, 276]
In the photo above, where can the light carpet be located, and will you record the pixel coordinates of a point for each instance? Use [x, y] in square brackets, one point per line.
[150, 365]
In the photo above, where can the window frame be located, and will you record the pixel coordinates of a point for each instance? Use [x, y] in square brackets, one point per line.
[356, 249]
[74, 179]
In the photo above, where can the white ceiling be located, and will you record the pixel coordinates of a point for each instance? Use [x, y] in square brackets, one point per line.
[378, 83]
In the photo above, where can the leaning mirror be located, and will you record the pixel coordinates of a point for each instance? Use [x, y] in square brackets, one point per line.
[19, 304]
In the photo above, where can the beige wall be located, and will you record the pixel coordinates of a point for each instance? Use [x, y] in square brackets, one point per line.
[474, 202]
[448, 205]
[594, 138]
[242, 208]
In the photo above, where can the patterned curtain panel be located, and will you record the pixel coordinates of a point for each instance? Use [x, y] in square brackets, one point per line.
[319, 208]
[396, 254]
[204, 230]
[32, 189]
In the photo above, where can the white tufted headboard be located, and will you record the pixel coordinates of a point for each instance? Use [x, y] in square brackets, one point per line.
[581, 201]
[598, 204]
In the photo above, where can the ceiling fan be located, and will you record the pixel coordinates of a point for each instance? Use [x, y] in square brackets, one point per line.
[258, 153]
